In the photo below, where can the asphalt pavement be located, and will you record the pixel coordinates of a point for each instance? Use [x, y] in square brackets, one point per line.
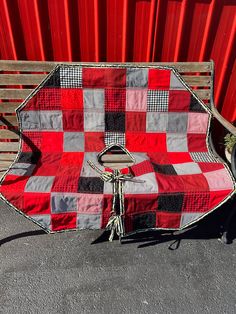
[81, 272]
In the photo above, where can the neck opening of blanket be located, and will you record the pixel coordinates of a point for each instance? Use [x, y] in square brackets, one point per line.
[123, 147]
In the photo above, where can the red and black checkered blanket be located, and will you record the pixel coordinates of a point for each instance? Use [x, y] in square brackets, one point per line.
[79, 110]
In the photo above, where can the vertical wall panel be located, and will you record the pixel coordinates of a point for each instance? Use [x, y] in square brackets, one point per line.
[126, 30]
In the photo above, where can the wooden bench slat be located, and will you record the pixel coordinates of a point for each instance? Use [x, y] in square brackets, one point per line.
[4, 165]
[12, 120]
[8, 107]
[9, 146]
[44, 66]
[21, 79]
[197, 81]
[7, 157]
[35, 79]
[12, 93]
[8, 134]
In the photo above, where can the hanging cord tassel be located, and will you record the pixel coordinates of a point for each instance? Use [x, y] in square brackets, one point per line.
[115, 222]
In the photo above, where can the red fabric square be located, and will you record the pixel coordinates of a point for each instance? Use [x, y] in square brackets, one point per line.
[216, 197]
[45, 99]
[36, 203]
[168, 220]
[66, 183]
[101, 77]
[16, 199]
[52, 142]
[194, 183]
[197, 143]
[48, 164]
[196, 202]
[135, 121]
[72, 98]
[73, 120]
[168, 183]
[140, 203]
[74, 158]
[159, 79]
[142, 168]
[115, 99]
[94, 141]
[210, 166]
[177, 157]
[159, 158]
[31, 141]
[136, 142]
[13, 183]
[106, 213]
[179, 100]
[63, 221]
[156, 142]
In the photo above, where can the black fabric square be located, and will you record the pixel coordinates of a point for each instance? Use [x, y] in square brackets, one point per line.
[29, 157]
[164, 169]
[195, 105]
[54, 80]
[90, 185]
[144, 221]
[170, 202]
[115, 121]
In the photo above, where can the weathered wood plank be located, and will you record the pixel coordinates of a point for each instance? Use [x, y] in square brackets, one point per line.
[8, 107]
[46, 66]
[8, 134]
[8, 121]
[197, 81]
[21, 79]
[12, 93]
[4, 165]
[115, 158]
[35, 79]
[9, 146]
[203, 93]
[7, 157]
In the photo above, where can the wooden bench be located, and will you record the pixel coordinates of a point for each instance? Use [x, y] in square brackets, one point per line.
[19, 78]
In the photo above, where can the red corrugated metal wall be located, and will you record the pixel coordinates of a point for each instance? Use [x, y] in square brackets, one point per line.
[126, 30]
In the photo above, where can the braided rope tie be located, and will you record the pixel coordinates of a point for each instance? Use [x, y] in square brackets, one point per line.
[115, 222]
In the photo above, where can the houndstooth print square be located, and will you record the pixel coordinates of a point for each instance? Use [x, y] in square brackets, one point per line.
[157, 100]
[203, 157]
[114, 138]
[71, 77]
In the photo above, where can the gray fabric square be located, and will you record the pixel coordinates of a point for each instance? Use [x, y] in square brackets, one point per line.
[177, 143]
[177, 122]
[50, 120]
[39, 184]
[43, 220]
[22, 169]
[73, 142]
[156, 121]
[29, 120]
[187, 218]
[93, 99]
[63, 203]
[92, 221]
[187, 168]
[88, 171]
[94, 121]
[175, 83]
[149, 186]
[137, 77]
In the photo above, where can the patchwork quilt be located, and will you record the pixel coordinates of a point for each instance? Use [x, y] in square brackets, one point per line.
[78, 111]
